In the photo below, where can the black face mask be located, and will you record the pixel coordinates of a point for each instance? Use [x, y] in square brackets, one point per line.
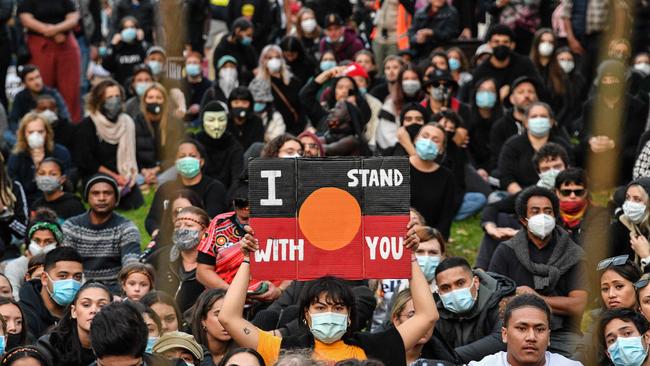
[413, 130]
[240, 113]
[501, 53]
[13, 340]
[154, 108]
[112, 108]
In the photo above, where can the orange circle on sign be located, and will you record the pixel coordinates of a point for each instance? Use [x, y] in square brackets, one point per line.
[330, 218]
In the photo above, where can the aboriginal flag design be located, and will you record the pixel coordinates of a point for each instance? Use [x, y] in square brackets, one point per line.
[344, 217]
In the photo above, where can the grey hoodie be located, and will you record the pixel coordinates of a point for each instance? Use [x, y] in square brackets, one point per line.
[477, 333]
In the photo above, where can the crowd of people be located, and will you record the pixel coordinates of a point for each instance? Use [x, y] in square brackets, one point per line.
[531, 114]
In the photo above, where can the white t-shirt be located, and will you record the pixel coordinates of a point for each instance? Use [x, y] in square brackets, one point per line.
[501, 359]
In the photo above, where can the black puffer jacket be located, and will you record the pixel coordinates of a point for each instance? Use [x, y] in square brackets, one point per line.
[478, 333]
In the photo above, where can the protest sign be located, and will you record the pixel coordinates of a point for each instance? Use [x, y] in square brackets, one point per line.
[344, 217]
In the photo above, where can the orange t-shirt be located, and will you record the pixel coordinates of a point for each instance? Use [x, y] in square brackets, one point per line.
[269, 347]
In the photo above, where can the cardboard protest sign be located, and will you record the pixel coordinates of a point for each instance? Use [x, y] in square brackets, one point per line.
[344, 217]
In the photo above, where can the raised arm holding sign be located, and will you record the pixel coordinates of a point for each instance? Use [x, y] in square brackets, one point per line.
[328, 308]
[343, 217]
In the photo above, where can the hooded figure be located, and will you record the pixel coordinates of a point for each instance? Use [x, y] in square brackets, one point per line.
[245, 125]
[344, 136]
[633, 220]
[224, 158]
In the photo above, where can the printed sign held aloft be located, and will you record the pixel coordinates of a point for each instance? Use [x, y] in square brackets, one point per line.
[344, 217]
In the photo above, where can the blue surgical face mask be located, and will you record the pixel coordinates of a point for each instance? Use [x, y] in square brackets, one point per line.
[259, 107]
[141, 87]
[426, 149]
[458, 301]
[63, 291]
[155, 66]
[3, 344]
[628, 351]
[454, 64]
[193, 69]
[327, 64]
[103, 51]
[363, 91]
[539, 126]
[328, 327]
[486, 99]
[428, 265]
[128, 34]
[150, 342]
[246, 41]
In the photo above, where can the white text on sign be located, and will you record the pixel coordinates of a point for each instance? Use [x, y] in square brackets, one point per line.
[375, 177]
[282, 250]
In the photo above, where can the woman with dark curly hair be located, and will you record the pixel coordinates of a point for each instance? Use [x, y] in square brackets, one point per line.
[283, 146]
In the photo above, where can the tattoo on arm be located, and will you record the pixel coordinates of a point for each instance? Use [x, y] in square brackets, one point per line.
[247, 331]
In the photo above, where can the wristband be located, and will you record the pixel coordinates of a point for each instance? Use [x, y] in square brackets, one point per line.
[246, 261]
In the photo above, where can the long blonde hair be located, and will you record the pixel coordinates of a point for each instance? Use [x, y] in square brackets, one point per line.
[284, 69]
[164, 118]
[21, 140]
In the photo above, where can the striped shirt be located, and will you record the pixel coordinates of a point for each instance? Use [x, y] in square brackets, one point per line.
[105, 248]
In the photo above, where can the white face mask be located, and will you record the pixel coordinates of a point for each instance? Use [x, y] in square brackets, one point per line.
[296, 155]
[541, 225]
[567, 65]
[36, 249]
[635, 211]
[35, 140]
[308, 25]
[274, 65]
[643, 68]
[545, 48]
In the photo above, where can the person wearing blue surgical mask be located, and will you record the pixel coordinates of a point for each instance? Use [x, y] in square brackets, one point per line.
[458, 66]
[624, 334]
[44, 301]
[468, 302]
[125, 51]
[515, 164]
[156, 60]
[430, 252]
[328, 309]
[433, 187]
[195, 85]
[69, 341]
[154, 327]
[485, 111]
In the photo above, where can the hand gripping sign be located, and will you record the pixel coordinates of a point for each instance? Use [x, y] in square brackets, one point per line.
[344, 217]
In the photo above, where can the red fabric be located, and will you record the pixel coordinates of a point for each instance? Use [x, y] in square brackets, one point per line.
[221, 241]
[354, 69]
[60, 67]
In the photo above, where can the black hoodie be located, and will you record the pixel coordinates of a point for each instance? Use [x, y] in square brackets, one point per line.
[65, 206]
[224, 158]
[37, 317]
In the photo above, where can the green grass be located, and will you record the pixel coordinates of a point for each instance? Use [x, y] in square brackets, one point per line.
[138, 216]
[465, 235]
[465, 238]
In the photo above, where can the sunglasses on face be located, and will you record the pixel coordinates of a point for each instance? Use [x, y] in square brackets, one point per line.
[567, 192]
[613, 261]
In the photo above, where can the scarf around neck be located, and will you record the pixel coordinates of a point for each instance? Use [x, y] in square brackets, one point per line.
[565, 255]
[122, 134]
